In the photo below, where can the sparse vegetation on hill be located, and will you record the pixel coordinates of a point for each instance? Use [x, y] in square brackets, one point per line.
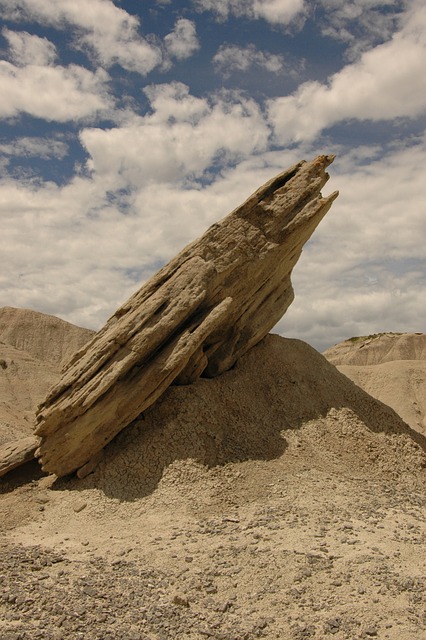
[372, 336]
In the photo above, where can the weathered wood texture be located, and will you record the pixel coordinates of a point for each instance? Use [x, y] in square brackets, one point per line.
[196, 316]
[13, 454]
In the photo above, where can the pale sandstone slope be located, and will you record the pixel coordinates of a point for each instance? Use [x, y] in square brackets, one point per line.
[23, 383]
[379, 348]
[390, 367]
[33, 348]
[44, 337]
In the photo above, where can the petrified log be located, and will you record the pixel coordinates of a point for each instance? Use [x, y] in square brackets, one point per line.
[196, 316]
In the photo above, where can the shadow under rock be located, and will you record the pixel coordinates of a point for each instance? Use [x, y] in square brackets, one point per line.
[182, 426]
[278, 385]
[22, 475]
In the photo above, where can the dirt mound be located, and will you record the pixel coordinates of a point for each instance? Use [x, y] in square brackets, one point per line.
[391, 368]
[282, 391]
[33, 348]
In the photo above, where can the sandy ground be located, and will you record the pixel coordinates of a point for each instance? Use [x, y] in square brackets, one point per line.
[276, 549]
[278, 501]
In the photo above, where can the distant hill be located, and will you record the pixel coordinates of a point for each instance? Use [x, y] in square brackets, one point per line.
[391, 367]
[43, 337]
[33, 348]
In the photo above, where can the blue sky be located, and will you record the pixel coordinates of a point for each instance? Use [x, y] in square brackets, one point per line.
[127, 128]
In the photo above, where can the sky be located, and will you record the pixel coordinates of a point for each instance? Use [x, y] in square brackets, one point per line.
[127, 128]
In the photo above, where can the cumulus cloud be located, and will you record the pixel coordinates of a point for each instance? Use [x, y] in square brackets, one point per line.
[27, 147]
[361, 24]
[387, 82]
[106, 30]
[85, 262]
[82, 264]
[61, 263]
[182, 42]
[54, 93]
[273, 11]
[363, 271]
[180, 138]
[231, 58]
[98, 14]
[278, 11]
[138, 206]
[25, 48]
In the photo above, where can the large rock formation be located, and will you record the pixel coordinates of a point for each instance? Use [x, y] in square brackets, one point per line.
[202, 311]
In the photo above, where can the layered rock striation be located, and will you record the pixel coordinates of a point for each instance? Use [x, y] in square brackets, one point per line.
[208, 306]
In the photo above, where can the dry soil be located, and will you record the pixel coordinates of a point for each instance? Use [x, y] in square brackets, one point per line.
[277, 501]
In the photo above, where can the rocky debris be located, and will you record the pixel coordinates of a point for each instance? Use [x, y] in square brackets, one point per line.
[259, 570]
[13, 454]
[105, 601]
[202, 311]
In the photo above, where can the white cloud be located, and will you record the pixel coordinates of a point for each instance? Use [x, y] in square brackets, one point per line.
[361, 24]
[278, 11]
[108, 238]
[25, 48]
[107, 30]
[387, 82]
[353, 277]
[182, 137]
[52, 93]
[96, 14]
[60, 263]
[274, 11]
[35, 147]
[173, 101]
[82, 264]
[159, 180]
[363, 271]
[130, 51]
[182, 42]
[233, 58]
